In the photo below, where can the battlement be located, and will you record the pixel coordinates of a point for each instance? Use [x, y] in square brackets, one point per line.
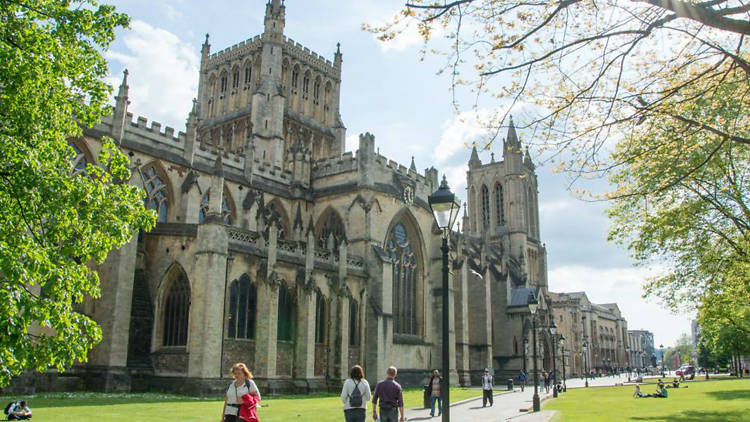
[168, 135]
[233, 51]
[334, 165]
[304, 54]
[400, 169]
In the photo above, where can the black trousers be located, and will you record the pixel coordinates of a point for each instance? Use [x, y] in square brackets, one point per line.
[231, 418]
[487, 396]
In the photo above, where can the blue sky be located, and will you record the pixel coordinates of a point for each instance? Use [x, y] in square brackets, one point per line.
[386, 90]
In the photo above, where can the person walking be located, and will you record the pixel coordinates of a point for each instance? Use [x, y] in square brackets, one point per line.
[522, 380]
[433, 391]
[487, 388]
[390, 395]
[243, 384]
[355, 394]
[545, 377]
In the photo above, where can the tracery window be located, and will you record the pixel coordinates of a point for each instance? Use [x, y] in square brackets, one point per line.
[248, 74]
[485, 207]
[226, 209]
[176, 311]
[332, 230]
[223, 83]
[306, 84]
[405, 277]
[499, 201]
[79, 162]
[242, 305]
[353, 323]
[316, 90]
[321, 318]
[295, 77]
[235, 79]
[286, 315]
[157, 199]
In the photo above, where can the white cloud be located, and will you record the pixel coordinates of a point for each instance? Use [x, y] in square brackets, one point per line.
[624, 286]
[554, 207]
[408, 33]
[460, 132]
[163, 73]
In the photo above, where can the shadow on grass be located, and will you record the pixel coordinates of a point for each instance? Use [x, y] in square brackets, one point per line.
[730, 395]
[696, 416]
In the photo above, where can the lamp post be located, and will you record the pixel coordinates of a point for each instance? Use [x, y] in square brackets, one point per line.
[553, 333]
[562, 357]
[445, 208]
[661, 346]
[525, 352]
[533, 304]
[585, 363]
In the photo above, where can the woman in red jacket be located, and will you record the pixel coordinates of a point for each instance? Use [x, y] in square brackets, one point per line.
[241, 386]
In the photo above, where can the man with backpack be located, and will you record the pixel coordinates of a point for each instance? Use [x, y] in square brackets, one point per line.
[355, 394]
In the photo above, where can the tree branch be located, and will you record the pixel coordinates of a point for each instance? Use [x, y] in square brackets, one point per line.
[703, 15]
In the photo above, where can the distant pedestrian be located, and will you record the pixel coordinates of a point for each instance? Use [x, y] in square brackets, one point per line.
[522, 379]
[243, 384]
[433, 391]
[545, 376]
[390, 395]
[355, 393]
[487, 388]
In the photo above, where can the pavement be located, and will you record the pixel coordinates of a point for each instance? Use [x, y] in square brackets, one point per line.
[510, 406]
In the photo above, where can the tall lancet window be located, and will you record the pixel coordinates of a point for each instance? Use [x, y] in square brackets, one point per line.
[406, 274]
[176, 311]
[158, 199]
[485, 207]
[499, 201]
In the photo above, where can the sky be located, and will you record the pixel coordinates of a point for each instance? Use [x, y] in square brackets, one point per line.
[388, 91]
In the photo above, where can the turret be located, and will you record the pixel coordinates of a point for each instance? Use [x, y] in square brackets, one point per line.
[191, 133]
[275, 19]
[474, 161]
[203, 78]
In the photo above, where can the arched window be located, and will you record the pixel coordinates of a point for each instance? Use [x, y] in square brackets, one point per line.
[353, 323]
[532, 213]
[286, 315]
[499, 200]
[248, 74]
[158, 198]
[295, 76]
[79, 162]
[405, 277]
[331, 232]
[176, 311]
[485, 207]
[223, 86]
[242, 300]
[306, 84]
[235, 78]
[276, 212]
[321, 317]
[226, 209]
[316, 90]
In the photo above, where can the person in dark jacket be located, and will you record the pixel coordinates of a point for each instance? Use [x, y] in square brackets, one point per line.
[433, 391]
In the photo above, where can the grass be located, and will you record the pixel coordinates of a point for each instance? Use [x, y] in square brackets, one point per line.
[90, 407]
[706, 401]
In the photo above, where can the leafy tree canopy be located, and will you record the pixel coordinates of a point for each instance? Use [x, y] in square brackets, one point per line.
[586, 73]
[55, 223]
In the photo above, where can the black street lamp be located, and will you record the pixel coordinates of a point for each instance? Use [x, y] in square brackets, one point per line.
[533, 304]
[585, 363]
[445, 208]
[562, 357]
[661, 346]
[553, 333]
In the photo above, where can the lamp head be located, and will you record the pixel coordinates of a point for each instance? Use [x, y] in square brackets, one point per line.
[553, 328]
[533, 304]
[444, 206]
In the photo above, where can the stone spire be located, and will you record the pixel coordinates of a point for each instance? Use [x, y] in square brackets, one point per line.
[120, 116]
[527, 159]
[337, 58]
[205, 49]
[474, 161]
[512, 136]
[412, 167]
[191, 133]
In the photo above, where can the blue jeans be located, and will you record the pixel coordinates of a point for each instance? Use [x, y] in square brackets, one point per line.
[432, 405]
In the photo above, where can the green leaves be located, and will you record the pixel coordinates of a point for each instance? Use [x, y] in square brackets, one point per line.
[55, 225]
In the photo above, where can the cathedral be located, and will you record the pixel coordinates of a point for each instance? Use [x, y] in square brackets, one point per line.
[276, 247]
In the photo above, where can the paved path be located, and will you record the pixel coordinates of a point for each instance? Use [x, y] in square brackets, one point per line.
[511, 406]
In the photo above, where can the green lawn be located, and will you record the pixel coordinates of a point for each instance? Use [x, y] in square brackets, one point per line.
[91, 407]
[704, 401]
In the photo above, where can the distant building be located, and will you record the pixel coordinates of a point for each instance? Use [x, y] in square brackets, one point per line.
[641, 343]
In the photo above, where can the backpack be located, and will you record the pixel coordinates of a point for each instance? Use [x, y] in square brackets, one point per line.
[7, 407]
[355, 399]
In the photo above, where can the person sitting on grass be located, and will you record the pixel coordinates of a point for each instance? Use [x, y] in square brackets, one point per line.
[637, 393]
[19, 412]
[661, 393]
[675, 383]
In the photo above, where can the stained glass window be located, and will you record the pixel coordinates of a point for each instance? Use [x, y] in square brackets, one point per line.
[242, 301]
[405, 277]
[157, 199]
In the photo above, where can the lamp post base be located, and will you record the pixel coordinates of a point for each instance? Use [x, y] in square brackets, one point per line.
[554, 391]
[587, 383]
[537, 406]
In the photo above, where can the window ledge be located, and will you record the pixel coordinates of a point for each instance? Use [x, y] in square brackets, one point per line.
[409, 339]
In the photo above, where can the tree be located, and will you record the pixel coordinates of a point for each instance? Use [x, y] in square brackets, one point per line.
[684, 348]
[55, 223]
[683, 198]
[594, 70]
